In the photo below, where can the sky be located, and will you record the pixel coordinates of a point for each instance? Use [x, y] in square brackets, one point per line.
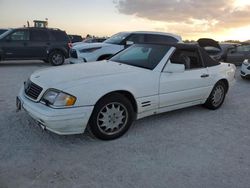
[192, 19]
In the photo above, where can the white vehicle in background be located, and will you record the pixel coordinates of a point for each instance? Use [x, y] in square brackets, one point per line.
[107, 96]
[245, 69]
[88, 52]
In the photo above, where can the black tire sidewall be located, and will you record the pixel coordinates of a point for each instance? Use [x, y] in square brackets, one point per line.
[116, 97]
[51, 57]
[209, 103]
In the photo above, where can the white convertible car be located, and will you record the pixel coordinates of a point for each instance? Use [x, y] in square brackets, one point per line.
[107, 96]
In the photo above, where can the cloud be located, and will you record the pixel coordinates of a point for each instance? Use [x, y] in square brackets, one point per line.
[193, 15]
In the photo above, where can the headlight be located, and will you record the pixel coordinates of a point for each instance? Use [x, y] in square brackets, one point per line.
[58, 99]
[89, 50]
[246, 62]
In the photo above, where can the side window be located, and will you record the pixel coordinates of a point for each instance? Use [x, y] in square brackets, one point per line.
[59, 35]
[136, 38]
[190, 58]
[20, 35]
[160, 39]
[244, 48]
[39, 35]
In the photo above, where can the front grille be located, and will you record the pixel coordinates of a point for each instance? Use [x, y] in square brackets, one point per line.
[73, 53]
[32, 90]
[243, 73]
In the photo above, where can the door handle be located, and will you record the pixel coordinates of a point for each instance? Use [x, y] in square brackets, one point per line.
[204, 75]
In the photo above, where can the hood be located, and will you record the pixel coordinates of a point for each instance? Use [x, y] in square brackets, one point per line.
[82, 45]
[86, 72]
[205, 42]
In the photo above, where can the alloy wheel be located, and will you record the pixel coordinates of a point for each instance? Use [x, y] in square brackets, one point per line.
[112, 118]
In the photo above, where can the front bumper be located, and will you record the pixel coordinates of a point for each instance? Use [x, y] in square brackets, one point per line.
[76, 60]
[245, 72]
[65, 121]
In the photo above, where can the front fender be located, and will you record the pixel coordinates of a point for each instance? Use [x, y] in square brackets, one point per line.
[65, 51]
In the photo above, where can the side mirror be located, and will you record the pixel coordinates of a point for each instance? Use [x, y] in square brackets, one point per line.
[174, 68]
[129, 43]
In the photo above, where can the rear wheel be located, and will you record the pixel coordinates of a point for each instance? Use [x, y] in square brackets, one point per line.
[217, 96]
[112, 117]
[56, 58]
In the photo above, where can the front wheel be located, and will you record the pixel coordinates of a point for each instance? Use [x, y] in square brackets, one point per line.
[112, 117]
[217, 96]
[56, 58]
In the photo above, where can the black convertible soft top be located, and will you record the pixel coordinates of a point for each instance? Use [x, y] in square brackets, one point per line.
[207, 60]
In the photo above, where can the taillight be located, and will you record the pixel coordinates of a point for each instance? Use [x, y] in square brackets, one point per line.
[70, 45]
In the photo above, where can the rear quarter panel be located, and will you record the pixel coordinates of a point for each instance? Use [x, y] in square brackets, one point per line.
[224, 71]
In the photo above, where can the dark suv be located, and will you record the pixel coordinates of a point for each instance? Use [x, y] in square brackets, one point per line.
[3, 31]
[50, 45]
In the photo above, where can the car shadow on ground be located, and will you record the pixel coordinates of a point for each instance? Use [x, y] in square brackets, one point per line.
[31, 63]
[142, 126]
[23, 63]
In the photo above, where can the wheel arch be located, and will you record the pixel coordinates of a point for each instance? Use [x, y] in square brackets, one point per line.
[225, 81]
[126, 94]
[60, 50]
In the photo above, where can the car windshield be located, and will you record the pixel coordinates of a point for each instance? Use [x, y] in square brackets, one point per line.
[2, 35]
[145, 56]
[117, 38]
[3, 31]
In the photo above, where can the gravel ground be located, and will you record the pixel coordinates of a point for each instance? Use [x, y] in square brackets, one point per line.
[192, 147]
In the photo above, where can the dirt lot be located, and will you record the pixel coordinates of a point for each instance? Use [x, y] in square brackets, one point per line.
[193, 147]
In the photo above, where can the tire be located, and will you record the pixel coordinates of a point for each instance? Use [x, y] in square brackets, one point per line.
[56, 58]
[45, 60]
[111, 117]
[216, 97]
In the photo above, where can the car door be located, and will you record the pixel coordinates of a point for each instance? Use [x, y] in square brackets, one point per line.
[236, 55]
[189, 86]
[16, 44]
[39, 43]
[247, 52]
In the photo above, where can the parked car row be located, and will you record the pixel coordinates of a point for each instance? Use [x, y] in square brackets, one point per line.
[157, 74]
[99, 51]
[53, 46]
[141, 74]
